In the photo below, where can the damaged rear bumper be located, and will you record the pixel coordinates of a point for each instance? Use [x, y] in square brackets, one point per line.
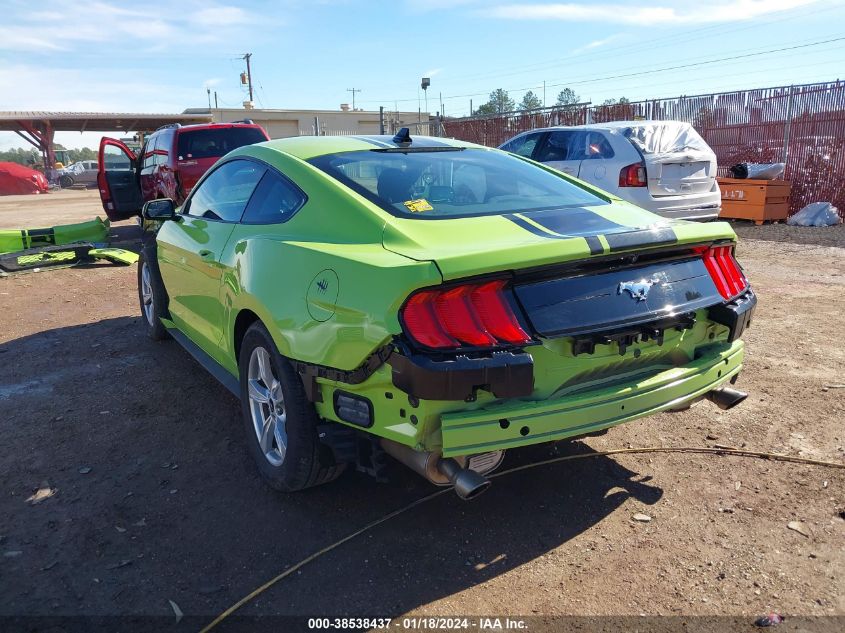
[521, 423]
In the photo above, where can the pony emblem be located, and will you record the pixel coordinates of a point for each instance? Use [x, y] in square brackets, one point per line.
[638, 289]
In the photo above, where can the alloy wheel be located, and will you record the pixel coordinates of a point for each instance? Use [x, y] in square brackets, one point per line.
[147, 294]
[267, 407]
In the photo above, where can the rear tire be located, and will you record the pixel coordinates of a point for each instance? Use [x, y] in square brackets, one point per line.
[151, 294]
[280, 422]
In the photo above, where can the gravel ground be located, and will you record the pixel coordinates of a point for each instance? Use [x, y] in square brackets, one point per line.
[782, 232]
[126, 485]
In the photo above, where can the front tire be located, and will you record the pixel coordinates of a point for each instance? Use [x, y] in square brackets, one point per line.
[65, 182]
[279, 421]
[152, 295]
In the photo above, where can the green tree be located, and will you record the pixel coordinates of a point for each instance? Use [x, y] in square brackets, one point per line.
[567, 96]
[499, 102]
[20, 156]
[619, 101]
[530, 101]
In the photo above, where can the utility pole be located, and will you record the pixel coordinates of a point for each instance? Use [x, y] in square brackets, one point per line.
[247, 56]
[215, 99]
[208, 90]
[544, 94]
[353, 91]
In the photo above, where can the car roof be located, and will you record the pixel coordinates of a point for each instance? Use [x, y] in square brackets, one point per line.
[610, 125]
[305, 147]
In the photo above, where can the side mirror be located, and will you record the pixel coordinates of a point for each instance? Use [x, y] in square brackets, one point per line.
[161, 209]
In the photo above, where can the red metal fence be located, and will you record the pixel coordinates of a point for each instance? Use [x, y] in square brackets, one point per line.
[803, 126]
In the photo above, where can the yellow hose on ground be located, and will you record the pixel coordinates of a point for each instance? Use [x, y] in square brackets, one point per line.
[736, 452]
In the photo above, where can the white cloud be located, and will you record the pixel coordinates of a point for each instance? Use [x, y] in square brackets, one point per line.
[596, 44]
[432, 72]
[92, 22]
[424, 6]
[221, 16]
[677, 13]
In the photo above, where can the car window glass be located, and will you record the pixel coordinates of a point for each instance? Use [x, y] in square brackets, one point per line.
[224, 194]
[561, 146]
[598, 147]
[215, 142]
[449, 183]
[115, 158]
[523, 145]
[149, 153]
[162, 146]
[275, 200]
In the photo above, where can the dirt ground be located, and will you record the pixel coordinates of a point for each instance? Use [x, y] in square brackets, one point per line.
[126, 484]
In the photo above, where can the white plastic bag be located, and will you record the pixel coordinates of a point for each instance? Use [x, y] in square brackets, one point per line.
[758, 171]
[765, 171]
[816, 214]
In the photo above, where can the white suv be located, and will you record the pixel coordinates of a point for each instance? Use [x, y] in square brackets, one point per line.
[661, 166]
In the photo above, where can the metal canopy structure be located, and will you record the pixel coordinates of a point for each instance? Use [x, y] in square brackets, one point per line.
[39, 128]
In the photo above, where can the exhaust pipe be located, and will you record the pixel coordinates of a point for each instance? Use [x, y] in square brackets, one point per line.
[438, 470]
[726, 397]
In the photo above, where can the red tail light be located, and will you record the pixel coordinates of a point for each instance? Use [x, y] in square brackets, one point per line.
[633, 176]
[724, 270]
[475, 315]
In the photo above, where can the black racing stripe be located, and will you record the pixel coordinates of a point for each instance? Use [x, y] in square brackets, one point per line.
[573, 221]
[635, 239]
[595, 244]
[533, 229]
[23, 239]
[378, 141]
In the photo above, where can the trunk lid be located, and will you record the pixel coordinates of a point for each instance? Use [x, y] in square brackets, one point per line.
[466, 247]
[678, 174]
[677, 160]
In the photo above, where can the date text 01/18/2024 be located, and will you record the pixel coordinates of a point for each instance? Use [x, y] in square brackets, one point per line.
[422, 623]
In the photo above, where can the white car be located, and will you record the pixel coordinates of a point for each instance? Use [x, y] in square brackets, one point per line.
[662, 166]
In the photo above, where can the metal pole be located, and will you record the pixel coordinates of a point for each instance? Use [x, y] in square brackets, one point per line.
[248, 74]
[208, 90]
[788, 126]
[316, 126]
[381, 119]
[215, 100]
[470, 107]
[544, 94]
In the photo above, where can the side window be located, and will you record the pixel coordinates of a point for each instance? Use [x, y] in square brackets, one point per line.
[598, 146]
[275, 200]
[523, 145]
[224, 194]
[149, 153]
[561, 146]
[163, 144]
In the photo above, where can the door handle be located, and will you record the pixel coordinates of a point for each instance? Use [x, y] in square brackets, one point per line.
[206, 255]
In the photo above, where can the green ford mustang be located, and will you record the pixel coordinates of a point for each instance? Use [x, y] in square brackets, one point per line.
[435, 301]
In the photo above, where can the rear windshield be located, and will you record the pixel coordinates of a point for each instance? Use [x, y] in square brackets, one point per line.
[213, 143]
[666, 138]
[453, 183]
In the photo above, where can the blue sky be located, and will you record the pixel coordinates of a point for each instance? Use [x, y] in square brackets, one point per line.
[93, 55]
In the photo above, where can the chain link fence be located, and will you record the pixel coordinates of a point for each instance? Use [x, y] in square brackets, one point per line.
[802, 126]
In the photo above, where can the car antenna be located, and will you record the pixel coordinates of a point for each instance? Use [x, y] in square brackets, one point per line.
[402, 136]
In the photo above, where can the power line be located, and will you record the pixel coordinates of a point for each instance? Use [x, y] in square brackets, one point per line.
[637, 46]
[655, 70]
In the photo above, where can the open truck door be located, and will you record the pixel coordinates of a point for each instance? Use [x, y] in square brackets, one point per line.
[117, 179]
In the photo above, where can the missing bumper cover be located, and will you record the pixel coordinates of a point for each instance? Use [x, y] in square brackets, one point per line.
[736, 314]
[504, 374]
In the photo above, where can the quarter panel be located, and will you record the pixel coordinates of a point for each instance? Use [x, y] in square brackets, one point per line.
[271, 276]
